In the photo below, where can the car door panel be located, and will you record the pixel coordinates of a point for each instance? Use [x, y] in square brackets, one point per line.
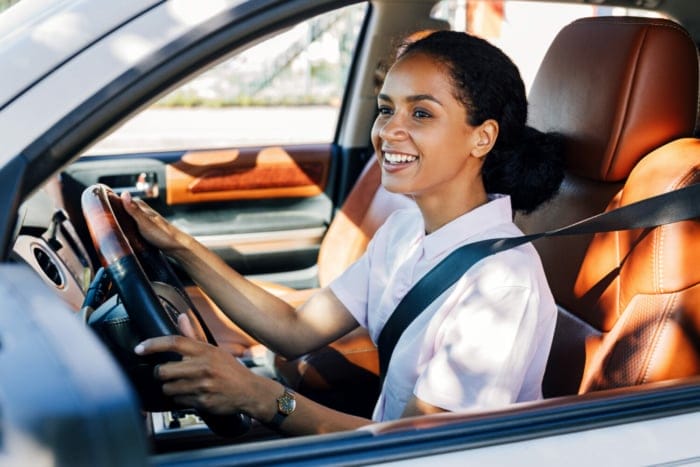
[264, 210]
[249, 173]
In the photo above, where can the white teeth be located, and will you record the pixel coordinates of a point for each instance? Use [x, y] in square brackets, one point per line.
[393, 158]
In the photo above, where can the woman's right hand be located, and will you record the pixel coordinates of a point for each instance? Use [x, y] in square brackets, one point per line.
[154, 228]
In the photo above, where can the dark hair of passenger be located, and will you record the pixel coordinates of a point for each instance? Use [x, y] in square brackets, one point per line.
[524, 163]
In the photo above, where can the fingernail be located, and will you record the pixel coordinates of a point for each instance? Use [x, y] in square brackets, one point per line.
[139, 349]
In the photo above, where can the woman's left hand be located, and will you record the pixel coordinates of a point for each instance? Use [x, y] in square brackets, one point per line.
[207, 377]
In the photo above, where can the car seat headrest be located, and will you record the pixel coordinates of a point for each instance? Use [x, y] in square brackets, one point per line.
[616, 88]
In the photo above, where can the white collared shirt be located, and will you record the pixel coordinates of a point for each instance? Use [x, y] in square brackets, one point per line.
[484, 342]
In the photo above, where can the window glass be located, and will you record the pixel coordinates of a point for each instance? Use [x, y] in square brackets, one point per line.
[523, 30]
[284, 90]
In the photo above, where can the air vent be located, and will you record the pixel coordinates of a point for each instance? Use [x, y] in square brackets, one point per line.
[47, 265]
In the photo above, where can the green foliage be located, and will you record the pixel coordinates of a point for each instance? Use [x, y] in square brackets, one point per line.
[5, 4]
[309, 68]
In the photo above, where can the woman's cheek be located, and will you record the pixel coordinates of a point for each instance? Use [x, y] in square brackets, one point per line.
[376, 139]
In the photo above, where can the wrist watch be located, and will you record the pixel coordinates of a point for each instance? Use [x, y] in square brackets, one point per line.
[286, 403]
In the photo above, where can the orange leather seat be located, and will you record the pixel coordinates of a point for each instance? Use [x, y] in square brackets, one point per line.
[623, 92]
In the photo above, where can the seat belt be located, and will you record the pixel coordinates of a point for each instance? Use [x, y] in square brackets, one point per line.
[666, 208]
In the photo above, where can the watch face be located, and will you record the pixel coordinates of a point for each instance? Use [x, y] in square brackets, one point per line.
[286, 403]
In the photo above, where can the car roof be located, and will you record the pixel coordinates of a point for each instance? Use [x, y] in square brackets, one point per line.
[51, 31]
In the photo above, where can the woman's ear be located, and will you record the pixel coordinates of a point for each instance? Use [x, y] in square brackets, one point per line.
[486, 135]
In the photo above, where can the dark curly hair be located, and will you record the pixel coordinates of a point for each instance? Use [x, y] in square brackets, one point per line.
[524, 163]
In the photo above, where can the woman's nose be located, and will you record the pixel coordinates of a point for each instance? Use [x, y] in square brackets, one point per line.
[393, 128]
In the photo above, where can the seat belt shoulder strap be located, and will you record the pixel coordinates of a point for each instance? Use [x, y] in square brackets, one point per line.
[666, 208]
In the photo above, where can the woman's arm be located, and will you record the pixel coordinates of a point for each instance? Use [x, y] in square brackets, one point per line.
[272, 321]
[415, 407]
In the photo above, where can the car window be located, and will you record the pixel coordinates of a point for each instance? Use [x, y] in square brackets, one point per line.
[523, 30]
[284, 90]
[5, 4]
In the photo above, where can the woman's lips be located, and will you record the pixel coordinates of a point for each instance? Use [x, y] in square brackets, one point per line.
[393, 161]
[399, 158]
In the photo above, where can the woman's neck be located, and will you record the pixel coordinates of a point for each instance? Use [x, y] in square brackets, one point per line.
[438, 211]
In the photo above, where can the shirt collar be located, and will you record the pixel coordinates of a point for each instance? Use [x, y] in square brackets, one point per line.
[496, 211]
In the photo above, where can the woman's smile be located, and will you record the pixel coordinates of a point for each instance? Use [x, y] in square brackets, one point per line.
[394, 161]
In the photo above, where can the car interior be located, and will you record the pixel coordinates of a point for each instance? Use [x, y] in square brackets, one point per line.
[628, 301]
[626, 313]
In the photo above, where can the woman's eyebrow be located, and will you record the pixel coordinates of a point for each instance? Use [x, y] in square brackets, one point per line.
[416, 98]
[423, 97]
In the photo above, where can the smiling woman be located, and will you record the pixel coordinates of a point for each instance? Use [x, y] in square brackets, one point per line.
[626, 303]
[443, 113]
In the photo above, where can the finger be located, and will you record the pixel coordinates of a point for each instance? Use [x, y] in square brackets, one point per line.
[128, 202]
[190, 326]
[186, 370]
[238, 350]
[183, 322]
[133, 208]
[180, 344]
[135, 205]
[183, 387]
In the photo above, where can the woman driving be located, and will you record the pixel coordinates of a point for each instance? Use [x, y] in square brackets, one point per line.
[450, 133]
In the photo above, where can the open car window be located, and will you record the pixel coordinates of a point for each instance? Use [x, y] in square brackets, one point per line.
[286, 89]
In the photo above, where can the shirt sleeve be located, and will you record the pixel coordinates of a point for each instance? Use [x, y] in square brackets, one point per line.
[483, 349]
[352, 287]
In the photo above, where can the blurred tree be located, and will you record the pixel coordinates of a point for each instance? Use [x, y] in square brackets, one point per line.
[4, 4]
[485, 19]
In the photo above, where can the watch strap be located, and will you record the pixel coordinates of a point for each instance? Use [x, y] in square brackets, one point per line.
[277, 420]
[280, 413]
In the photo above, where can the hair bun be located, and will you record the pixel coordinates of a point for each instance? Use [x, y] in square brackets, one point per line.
[530, 173]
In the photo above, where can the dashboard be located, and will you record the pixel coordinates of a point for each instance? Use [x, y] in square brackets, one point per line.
[46, 239]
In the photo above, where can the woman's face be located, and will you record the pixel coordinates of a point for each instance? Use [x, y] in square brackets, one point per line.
[421, 135]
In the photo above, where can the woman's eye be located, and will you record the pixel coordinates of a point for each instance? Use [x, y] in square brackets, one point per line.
[384, 110]
[421, 114]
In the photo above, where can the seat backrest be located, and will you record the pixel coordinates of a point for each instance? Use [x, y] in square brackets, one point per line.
[617, 89]
[365, 209]
[647, 282]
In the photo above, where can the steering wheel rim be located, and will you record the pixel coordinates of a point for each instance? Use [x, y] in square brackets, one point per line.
[129, 260]
[106, 221]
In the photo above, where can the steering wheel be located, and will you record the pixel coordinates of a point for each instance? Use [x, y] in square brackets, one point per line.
[149, 298]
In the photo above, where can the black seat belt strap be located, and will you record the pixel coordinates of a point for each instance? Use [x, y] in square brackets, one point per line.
[673, 206]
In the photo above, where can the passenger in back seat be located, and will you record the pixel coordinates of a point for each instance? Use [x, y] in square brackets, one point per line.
[450, 133]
